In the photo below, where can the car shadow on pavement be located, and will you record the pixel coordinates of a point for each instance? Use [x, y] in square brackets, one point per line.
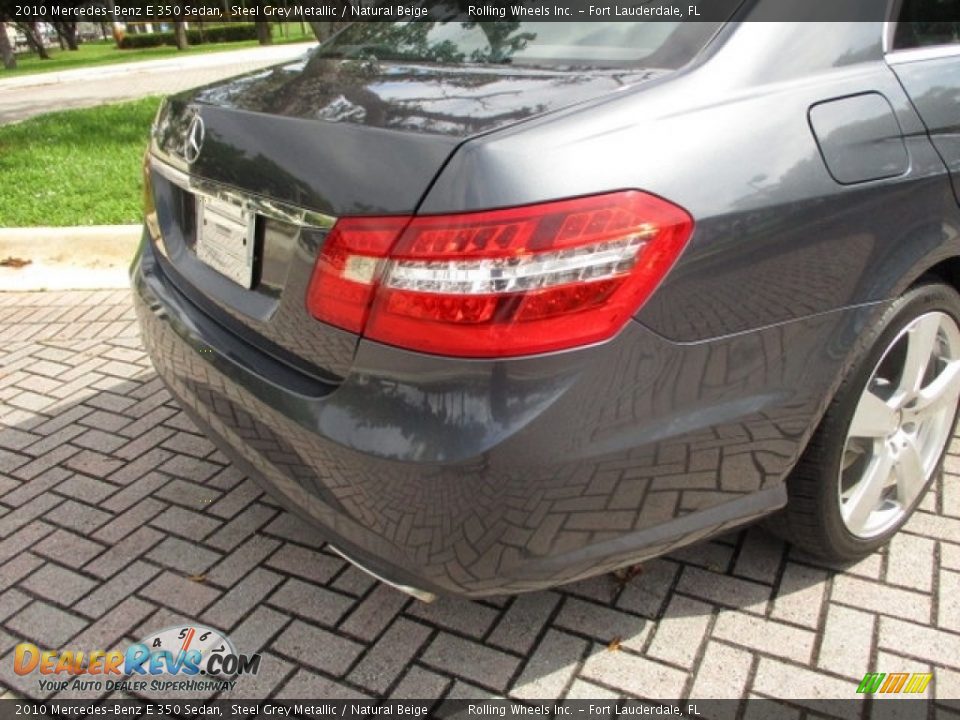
[118, 519]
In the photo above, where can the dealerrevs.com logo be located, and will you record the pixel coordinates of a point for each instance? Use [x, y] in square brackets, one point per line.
[191, 658]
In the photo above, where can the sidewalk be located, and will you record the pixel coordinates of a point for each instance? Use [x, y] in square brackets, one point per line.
[28, 95]
[69, 258]
[268, 53]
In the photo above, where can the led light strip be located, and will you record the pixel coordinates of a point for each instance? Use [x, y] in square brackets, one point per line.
[587, 263]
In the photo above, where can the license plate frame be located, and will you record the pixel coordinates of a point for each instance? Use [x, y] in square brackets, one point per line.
[225, 238]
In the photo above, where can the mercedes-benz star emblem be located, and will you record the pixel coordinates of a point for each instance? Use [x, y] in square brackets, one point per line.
[194, 140]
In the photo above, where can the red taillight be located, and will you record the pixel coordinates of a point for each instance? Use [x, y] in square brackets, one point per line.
[348, 269]
[501, 282]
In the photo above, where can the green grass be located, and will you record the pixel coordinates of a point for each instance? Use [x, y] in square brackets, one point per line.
[78, 167]
[105, 52]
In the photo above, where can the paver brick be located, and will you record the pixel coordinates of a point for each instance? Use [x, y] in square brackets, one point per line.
[800, 595]
[188, 494]
[131, 519]
[759, 558]
[240, 527]
[68, 548]
[603, 624]
[456, 614]
[183, 556]
[551, 667]
[375, 612]
[107, 632]
[18, 567]
[301, 642]
[388, 657]
[724, 672]
[123, 553]
[58, 584]
[948, 606]
[881, 598]
[632, 674]
[185, 523]
[937, 646]
[724, 590]
[471, 660]
[766, 636]
[308, 564]
[23, 515]
[45, 624]
[420, 684]
[680, 631]
[776, 679]
[180, 593]
[83, 487]
[108, 594]
[524, 620]
[243, 559]
[11, 601]
[253, 633]
[24, 539]
[315, 603]
[847, 641]
[78, 517]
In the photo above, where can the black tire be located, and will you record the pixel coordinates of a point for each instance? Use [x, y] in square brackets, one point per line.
[812, 518]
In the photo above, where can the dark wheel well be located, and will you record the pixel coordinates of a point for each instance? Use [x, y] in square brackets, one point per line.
[947, 271]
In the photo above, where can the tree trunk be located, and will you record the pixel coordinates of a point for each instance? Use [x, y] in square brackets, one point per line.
[180, 35]
[34, 39]
[322, 30]
[264, 37]
[67, 34]
[6, 50]
[72, 39]
[115, 28]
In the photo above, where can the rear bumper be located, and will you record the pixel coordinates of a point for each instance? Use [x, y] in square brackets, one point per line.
[477, 478]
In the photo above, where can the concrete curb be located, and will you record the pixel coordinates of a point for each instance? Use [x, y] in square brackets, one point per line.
[268, 53]
[68, 258]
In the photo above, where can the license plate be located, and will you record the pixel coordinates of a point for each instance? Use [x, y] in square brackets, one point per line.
[225, 239]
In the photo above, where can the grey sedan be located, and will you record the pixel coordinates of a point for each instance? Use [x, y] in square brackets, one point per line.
[501, 305]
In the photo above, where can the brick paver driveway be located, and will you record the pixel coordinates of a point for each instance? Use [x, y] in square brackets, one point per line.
[118, 518]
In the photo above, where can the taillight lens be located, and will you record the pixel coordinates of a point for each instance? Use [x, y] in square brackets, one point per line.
[498, 283]
[348, 269]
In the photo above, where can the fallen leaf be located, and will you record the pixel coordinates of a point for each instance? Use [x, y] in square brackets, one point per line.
[625, 575]
[14, 262]
[197, 578]
[614, 644]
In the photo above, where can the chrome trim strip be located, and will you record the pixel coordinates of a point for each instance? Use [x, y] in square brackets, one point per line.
[422, 595]
[889, 28]
[933, 52]
[291, 214]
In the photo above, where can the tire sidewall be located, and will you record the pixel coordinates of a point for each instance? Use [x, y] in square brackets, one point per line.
[919, 300]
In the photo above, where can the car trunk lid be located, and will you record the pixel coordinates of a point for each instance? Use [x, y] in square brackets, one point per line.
[304, 143]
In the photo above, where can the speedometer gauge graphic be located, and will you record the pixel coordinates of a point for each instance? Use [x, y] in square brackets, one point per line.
[177, 641]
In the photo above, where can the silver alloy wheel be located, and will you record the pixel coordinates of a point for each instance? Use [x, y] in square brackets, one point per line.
[901, 424]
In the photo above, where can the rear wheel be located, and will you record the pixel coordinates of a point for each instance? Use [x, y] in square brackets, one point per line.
[882, 440]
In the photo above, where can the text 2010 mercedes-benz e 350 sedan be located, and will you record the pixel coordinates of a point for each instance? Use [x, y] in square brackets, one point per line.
[497, 306]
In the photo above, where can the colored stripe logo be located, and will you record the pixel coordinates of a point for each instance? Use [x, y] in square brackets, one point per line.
[894, 683]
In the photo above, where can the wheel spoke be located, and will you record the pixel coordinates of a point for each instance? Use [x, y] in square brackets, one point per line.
[920, 344]
[873, 418]
[909, 474]
[866, 494]
[943, 391]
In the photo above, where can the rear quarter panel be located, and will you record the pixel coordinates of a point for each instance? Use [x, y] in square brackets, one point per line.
[777, 237]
